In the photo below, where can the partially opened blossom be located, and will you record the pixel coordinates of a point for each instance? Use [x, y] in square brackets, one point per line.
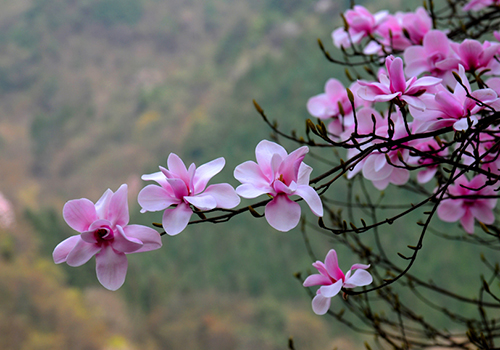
[105, 233]
[332, 280]
[434, 56]
[182, 188]
[475, 55]
[468, 201]
[279, 175]
[454, 109]
[429, 147]
[334, 105]
[395, 86]
[361, 23]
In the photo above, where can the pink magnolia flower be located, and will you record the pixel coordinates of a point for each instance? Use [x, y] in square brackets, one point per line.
[474, 55]
[468, 200]
[328, 106]
[430, 146]
[105, 233]
[332, 280]
[435, 56]
[395, 86]
[476, 5]
[447, 109]
[183, 187]
[361, 23]
[280, 175]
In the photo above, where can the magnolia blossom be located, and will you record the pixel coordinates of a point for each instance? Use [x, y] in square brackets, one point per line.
[476, 5]
[395, 86]
[332, 280]
[468, 200]
[280, 175]
[453, 109]
[474, 55]
[434, 56]
[361, 23]
[106, 234]
[183, 187]
[427, 146]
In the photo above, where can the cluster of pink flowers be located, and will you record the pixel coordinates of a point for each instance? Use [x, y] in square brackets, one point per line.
[105, 233]
[431, 86]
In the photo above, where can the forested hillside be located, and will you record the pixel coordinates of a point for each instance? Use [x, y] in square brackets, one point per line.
[95, 93]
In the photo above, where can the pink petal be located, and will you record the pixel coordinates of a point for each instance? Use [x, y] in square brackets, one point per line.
[304, 174]
[282, 213]
[320, 304]
[177, 167]
[396, 74]
[250, 191]
[175, 220]
[124, 244]
[467, 221]
[179, 187]
[451, 210]
[280, 187]
[155, 198]
[332, 265]
[289, 167]
[202, 201]
[436, 41]
[150, 239]
[413, 101]
[320, 107]
[399, 176]
[111, 268]
[102, 204]
[316, 280]
[62, 250]
[118, 207]
[79, 214]
[331, 290]
[81, 253]
[311, 197]
[358, 279]
[224, 195]
[449, 105]
[205, 172]
[250, 172]
[482, 212]
[159, 177]
[265, 151]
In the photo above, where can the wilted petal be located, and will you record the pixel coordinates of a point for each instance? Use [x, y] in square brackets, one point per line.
[282, 213]
[81, 253]
[62, 250]
[175, 220]
[224, 195]
[111, 268]
[358, 279]
[149, 237]
[155, 198]
[79, 214]
[125, 244]
[320, 304]
[205, 172]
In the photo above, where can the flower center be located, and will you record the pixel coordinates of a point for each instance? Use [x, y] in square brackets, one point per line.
[103, 234]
